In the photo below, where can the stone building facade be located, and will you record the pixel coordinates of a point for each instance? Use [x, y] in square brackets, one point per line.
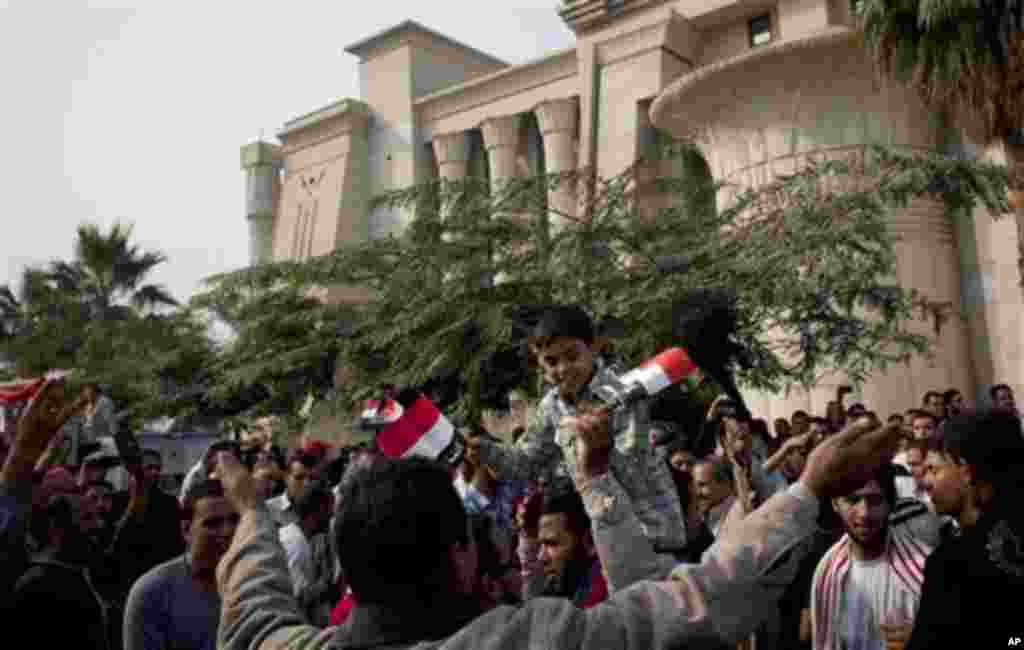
[760, 84]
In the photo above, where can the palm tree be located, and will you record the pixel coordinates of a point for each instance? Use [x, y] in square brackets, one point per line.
[107, 274]
[966, 58]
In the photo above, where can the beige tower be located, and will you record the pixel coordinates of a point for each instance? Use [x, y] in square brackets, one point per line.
[261, 162]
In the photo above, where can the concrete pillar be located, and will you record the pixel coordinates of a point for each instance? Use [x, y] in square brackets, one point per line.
[559, 122]
[452, 153]
[261, 162]
[501, 141]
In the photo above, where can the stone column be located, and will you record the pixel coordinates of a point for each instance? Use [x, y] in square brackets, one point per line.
[501, 140]
[559, 121]
[452, 153]
[261, 162]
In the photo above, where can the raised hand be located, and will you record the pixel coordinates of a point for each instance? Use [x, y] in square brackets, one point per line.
[593, 442]
[42, 420]
[239, 486]
[846, 461]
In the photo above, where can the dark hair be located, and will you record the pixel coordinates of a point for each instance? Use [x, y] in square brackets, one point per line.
[208, 489]
[929, 394]
[948, 396]
[895, 417]
[721, 469]
[989, 441]
[304, 458]
[395, 524]
[998, 387]
[313, 498]
[562, 498]
[800, 414]
[568, 321]
[822, 422]
[886, 477]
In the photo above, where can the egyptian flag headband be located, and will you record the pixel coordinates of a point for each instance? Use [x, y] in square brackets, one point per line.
[411, 425]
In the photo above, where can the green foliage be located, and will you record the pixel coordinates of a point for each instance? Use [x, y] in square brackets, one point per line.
[95, 315]
[813, 272]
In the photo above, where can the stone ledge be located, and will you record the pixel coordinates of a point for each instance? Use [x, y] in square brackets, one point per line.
[672, 112]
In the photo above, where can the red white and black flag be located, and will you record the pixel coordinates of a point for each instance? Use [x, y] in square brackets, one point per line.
[411, 425]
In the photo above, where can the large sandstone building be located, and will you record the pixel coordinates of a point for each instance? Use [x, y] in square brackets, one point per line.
[760, 84]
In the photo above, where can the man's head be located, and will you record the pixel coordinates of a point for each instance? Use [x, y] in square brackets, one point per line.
[855, 411]
[401, 533]
[563, 344]
[67, 516]
[917, 453]
[954, 401]
[923, 424]
[737, 437]
[567, 547]
[301, 471]
[208, 522]
[934, 403]
[258, 434]
[100, 496]
[793, 464]
[712, 482]
[1002, 398]
[313, 506]
[976, 457]
[680, 458]
[865, 512]
[152, 465]
[801, 422]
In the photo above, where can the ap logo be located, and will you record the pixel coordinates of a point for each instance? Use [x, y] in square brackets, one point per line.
[1014, 641]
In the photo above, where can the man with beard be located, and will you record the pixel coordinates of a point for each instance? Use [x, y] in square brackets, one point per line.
[58, 583]
[176, 605]
[869, 583]
[568, 555]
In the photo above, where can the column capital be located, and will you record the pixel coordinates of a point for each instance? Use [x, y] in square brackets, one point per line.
[556, 115]
[451, 147]
[501, 131]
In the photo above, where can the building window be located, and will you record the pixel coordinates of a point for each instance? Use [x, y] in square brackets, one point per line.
[857, 7]
[761, 30]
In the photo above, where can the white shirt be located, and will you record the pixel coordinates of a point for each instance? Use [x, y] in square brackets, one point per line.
[907, 488]
[300, 557]
[872, 593]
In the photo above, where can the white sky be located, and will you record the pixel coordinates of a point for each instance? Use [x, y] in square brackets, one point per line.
[136, 110]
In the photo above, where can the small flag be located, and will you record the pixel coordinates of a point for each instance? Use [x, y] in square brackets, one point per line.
[27, 391]
[669, 367]
[420, 430]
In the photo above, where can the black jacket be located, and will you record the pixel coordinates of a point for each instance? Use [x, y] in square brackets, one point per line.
[970, 583]
[54, 605]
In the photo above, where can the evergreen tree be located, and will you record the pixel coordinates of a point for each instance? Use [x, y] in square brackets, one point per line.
[806, 272]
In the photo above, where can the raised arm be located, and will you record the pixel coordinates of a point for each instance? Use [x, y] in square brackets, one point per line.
[38, 425]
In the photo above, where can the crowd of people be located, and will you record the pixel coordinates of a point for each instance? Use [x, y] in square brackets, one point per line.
[594, 528]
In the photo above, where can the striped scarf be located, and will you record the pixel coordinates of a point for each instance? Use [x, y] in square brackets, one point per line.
[905, 556]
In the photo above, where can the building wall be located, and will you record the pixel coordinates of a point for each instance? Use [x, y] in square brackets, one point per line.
[756, 121]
